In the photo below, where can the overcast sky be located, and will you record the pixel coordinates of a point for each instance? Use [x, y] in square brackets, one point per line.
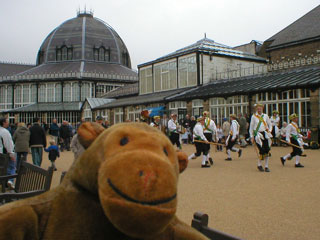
[149, 28]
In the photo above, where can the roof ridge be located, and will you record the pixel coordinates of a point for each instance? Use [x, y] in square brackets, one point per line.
[290, 25]
[17, 63]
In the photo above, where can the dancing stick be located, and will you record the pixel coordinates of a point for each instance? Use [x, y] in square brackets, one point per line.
[212, 143]
[293, 145]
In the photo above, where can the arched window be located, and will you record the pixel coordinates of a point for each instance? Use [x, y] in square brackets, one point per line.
[75, 91]
[42, 93]
[58, 88]
[101, 54]
[70, 53]
[64, 53]
[67, 92]
[107, 55]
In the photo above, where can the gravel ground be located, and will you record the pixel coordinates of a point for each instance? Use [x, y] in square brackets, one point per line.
[282, 204]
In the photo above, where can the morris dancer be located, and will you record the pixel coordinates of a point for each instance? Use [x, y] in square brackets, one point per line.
[294, 136]
[275, 121]
[200, 147]
[233, 135]
[209, 130]
[260, 134]
[156, 122]
[173, 130]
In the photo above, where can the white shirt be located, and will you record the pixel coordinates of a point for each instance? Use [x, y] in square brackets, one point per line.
[292, 129]
[198, 132]
[275, 121]
[155, 125]
[255, 121]
[172, 126]
[234, 129]
[220, 133]
[209, 126]
[7, 141]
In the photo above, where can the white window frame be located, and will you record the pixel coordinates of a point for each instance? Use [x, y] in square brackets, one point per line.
[118, 112]
[221, 108]
[291, 102]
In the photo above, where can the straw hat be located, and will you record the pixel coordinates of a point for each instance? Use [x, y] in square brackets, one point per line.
[206, 113]
[200, 118]
[275, 111]
[233, 116]
[259, 105]
[293, 116]
[156, 117]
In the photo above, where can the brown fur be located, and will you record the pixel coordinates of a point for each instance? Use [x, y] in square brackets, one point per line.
[113, 191]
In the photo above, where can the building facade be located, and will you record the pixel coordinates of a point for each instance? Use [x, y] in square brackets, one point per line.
[82, 58]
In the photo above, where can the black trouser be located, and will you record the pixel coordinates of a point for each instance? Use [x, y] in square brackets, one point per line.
[274, 134]
[174, 138]
[209, 138]
[66, 143]
[295, 151]
[230, 143]
[265, 149]
[200, 148]
[219, 147]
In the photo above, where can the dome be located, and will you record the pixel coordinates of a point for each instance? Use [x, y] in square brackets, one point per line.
[84, 38]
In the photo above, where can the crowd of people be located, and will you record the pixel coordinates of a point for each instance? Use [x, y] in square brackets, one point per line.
[260, 130]
[19, 140]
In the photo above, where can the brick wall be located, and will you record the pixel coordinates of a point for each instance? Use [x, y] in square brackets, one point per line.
[295, 56]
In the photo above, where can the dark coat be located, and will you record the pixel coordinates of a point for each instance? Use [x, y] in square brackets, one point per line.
[65, 131]
[54, 130]
[37, 135]
[21, 138]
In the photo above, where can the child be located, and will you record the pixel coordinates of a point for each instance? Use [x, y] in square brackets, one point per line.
[53, 151]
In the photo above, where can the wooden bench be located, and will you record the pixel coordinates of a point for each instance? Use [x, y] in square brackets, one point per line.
[4, 161]
[31, 180]
[200, 223]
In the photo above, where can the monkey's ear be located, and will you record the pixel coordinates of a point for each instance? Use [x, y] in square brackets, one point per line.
[88, 132]
[183, 161]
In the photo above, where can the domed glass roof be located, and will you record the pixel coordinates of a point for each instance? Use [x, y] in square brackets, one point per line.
[84, 38]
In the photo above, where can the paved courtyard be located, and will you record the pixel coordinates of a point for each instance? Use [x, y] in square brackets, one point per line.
[282, 204]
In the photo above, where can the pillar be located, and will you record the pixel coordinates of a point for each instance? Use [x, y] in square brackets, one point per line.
[189, 108]
[314, 111]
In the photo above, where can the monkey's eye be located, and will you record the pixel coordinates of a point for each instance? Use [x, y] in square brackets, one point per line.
[124, 141]
[165, 151]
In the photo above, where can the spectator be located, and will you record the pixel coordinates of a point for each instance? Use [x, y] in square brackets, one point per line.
[53, 151]
[45, 127]
[283, 133]
[225, 128]
[54, 131]
[164, 124]
[107, 124]
[99, 120]
[186, 124]
[37, 141]
[65, 135]
[243, 130]
[76, 147]
[220, 136]
[192, 124]
[7, 147]
[21, 138]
